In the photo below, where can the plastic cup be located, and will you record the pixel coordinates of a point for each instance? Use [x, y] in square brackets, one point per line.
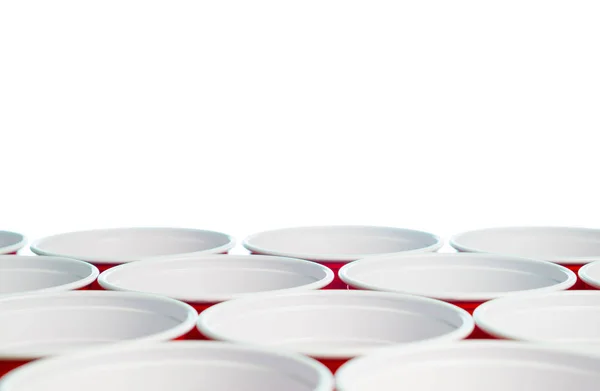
[590, 275]
[567, 319]
[466, 280]
[203, 281]
[11, 242]
[335, 325]
[471, 366]
[106, 248]
[41, 325]
[571, 247]
[30, 274]
[181, 366]
[334, 246]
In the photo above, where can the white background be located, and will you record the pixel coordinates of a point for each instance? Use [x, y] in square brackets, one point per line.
[247, 115]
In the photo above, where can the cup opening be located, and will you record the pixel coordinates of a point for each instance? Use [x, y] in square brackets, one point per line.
[215, 278]
[121, 245]
[41, 325]
[155, 367]
[340, 243]
[28, 274]
[335, 324]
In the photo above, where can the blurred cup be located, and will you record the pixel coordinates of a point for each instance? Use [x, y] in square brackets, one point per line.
[11, 242]
[569, 319]
[590, 275]
[471, 366]
[189, 365]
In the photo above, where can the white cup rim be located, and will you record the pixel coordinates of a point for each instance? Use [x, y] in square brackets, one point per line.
[455, 241]
[37, 246]
[11, 248]
[247, 243]
[80, 283]
[104, 277]
[382, 355]
[461, 332]
[345, 276]
[584, 274]
[480, 313]
[326, 382]
[179, 330]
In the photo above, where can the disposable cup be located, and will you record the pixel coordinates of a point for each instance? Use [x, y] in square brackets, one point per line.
[466, 280]
[11, 242]
[569, 319]
[471, 366]
[106, 248]
[590, 275]
[205, 280]
[181, 366]
[41, 325]
[30, 274]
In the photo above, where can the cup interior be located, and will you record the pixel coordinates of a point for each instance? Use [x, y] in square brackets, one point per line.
[216, 277]
[20, 274]
[34, 326]
[130, 244]
[475, 277]
[340, 242]
[335, 324]
[182, 366]
[590, 274]
[471, 366]
[10, 241]
[572, 316]
[559, 244]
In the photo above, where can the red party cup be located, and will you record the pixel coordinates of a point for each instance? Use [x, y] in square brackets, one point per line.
[471, 366]
[202, 281]
[334, 246]
[40, 325]
[567, 319]
[11, 242]
[568, 246]
[106, 248]
[335, 325]
[466, 280]
[30, 274]
[590, 275]
[189, 365]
